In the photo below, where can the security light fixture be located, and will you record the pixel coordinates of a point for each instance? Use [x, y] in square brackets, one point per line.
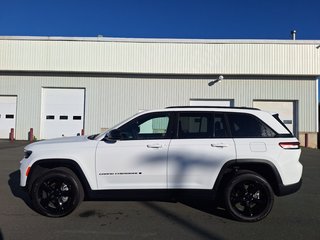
[211, 83]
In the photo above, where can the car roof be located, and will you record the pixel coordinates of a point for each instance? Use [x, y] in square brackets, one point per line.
[192, 107]
[204, 109]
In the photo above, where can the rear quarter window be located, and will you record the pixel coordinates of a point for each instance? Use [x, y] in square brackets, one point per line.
[248, 126]
[276, 116]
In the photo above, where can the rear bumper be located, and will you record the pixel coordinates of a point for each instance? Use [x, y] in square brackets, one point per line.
[288, 189]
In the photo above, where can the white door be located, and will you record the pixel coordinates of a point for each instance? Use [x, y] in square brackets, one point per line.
[7, 115]
[285, 109]
[202, 148]
[62, 112]
[139, 159]
[211, 102]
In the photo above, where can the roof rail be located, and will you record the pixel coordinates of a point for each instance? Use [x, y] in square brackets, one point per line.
[249, 108]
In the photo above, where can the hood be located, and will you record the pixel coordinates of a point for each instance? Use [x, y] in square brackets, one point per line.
[60, 140]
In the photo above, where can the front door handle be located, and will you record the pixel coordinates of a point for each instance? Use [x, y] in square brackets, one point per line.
[154, 146]
[219, 145]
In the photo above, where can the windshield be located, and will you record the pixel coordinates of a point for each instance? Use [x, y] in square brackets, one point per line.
[98, 136]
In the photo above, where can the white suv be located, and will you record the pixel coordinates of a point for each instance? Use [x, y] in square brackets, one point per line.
[242, 155]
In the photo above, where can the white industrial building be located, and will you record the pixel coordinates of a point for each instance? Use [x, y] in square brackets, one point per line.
[62, 86]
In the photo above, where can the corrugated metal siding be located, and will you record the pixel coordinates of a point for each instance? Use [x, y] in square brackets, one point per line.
[111, 99]
[265, 58]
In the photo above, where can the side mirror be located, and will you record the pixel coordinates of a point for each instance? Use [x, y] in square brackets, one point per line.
[113, 135]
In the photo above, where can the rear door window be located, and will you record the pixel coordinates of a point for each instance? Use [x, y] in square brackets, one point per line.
[219, 126]
[195, 125]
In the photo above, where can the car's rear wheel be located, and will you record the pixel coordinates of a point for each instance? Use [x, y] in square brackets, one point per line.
[57, 192]
[248, 197]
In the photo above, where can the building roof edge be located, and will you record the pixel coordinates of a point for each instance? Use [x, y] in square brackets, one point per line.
[159, 40]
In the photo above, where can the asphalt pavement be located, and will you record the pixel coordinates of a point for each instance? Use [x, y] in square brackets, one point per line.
[293, 217]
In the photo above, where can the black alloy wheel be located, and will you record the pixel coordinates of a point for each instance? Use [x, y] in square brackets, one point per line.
[57, 193]
[249, 197]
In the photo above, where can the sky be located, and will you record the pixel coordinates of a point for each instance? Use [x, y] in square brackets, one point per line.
[189, 19]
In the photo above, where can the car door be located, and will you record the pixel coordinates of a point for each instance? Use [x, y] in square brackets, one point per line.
[138, 160]
[202, 146]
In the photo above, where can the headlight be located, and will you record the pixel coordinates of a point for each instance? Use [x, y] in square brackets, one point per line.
[27, 153]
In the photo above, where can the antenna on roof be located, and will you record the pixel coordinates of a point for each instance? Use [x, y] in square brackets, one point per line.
[293, 34]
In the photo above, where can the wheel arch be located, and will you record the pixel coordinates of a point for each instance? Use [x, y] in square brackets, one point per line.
[40, 166]
[264, 168]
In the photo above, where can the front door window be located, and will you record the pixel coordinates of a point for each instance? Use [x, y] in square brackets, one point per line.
[154, 126]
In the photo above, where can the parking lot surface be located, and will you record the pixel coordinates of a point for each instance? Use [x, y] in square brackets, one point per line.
[295, 216]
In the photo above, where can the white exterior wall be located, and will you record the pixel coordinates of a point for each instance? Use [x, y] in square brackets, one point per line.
[142, 56]
[123, 76]
[109, 99]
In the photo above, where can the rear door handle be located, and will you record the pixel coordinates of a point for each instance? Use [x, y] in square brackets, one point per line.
[219, 145]
[154, 146]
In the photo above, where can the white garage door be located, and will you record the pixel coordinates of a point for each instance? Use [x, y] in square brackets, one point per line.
[211, 102]
[62, 112]
[7, 115]
[286, 110]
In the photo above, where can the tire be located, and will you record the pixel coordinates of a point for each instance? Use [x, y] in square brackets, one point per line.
[248, 197]
[57, 192]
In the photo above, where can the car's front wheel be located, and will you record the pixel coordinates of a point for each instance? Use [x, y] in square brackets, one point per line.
[248, 197]
[57, 192]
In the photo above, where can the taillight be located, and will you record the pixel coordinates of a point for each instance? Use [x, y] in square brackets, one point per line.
[289, 145]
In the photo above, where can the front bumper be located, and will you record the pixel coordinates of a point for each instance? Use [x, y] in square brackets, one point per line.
[24, 164]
